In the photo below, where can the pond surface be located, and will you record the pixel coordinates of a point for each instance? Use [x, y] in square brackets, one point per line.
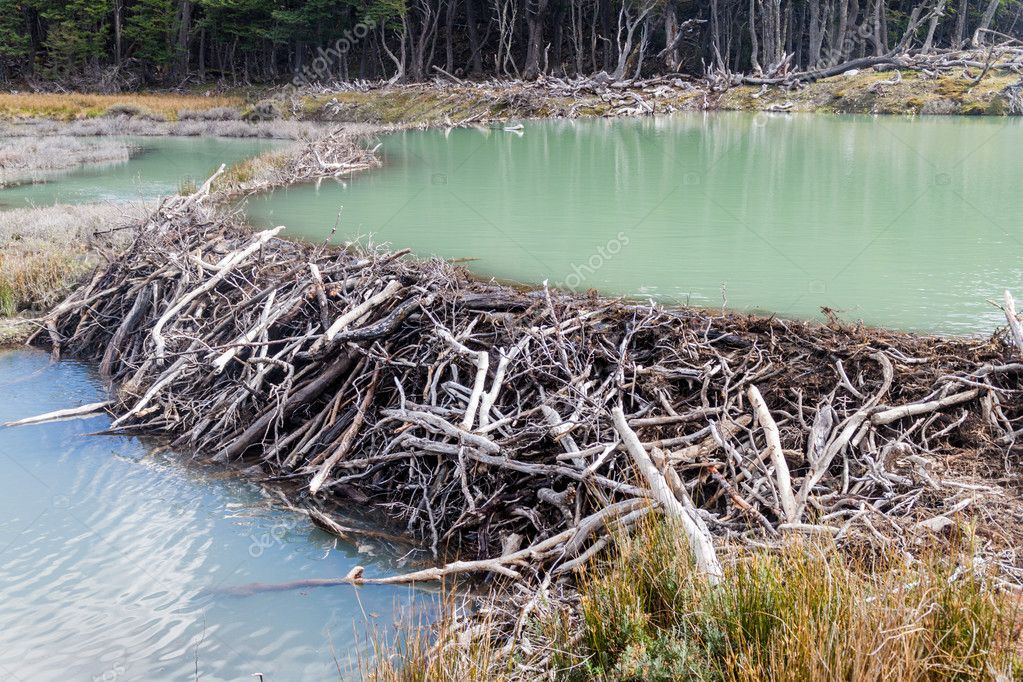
[908, 223]
[111, 555]
[158, 166]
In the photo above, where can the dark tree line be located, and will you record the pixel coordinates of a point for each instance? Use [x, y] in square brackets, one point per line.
[238, 41]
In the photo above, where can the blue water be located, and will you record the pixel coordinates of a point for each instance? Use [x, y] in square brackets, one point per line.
[112, 552]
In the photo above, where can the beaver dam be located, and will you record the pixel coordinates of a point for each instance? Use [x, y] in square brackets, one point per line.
[515, 430]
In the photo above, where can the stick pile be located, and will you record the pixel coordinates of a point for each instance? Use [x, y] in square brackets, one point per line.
[522, 426]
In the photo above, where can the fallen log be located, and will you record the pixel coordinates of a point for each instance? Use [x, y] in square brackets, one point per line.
[83, 412]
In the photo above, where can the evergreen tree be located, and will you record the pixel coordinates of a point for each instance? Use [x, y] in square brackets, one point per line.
[77, 35]
[149, 32]
[14, 42]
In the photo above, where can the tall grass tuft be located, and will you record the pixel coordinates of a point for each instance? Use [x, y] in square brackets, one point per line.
[805, 612]
[450, 648]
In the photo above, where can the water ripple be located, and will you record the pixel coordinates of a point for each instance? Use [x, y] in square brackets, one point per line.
[108, 554]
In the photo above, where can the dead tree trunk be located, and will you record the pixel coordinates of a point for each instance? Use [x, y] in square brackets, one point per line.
[536, 11]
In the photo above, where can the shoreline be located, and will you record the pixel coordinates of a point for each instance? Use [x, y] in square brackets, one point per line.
[445, 102]
[263, 349]
[531, 561]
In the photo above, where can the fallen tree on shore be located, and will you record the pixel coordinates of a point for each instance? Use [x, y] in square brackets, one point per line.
[509, 425]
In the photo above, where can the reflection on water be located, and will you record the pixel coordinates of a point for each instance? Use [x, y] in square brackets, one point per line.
[109, 553]
[910, 223]
[158, 166]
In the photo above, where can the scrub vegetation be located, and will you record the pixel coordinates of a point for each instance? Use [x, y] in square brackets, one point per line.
[44, 252]
[806, 611]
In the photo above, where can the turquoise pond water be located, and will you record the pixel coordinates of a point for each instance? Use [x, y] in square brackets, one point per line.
[912, 223]
[158, 166]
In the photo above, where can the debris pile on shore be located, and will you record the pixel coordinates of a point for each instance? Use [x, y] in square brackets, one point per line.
[523, 426]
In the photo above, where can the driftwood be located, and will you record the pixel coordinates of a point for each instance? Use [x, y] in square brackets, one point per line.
[1015, 330]
[480, 419]
[83, 412]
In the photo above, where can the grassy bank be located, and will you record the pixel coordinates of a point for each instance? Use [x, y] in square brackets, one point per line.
[74, 106]
[864, 92]
[33, 158]
[867, 92]
[146, 127]
[805, 611]
[445, 103]
[44, 252]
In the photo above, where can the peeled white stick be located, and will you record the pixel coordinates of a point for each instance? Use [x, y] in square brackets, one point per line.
[248, 337]
[482, 361]
[57, 415]
[895, 413]
[1013, 320]
[777, 455]
[699, 540]
[356, 312]
[226, 265]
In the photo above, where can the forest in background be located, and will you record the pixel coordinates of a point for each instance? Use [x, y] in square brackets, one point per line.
[124, 44]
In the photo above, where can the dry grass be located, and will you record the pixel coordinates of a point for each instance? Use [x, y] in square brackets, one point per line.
[67, 107]
[31, 159]
[858, 94]
[147, 127]
[411, 653]
[45, 251]
[806, 612]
